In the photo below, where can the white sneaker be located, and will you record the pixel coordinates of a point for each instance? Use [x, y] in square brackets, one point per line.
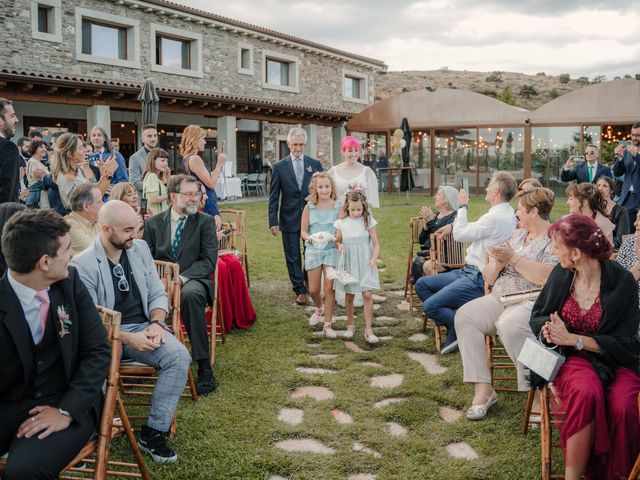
[372, 339]
[316, 318]
[329, 332]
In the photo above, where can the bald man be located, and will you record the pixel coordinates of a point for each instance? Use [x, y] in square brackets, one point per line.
[119, 273]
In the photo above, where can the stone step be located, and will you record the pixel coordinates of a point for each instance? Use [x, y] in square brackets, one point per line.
[429, 362]
[306, 445]
[291, 416]
[317, 393]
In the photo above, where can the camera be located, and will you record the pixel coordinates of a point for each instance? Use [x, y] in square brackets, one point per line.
[578, 158]
[92, 158]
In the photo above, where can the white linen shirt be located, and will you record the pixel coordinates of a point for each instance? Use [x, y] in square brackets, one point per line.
[495, 226]
[29, 302]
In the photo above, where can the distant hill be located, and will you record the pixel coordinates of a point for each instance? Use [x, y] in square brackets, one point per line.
[526, 91]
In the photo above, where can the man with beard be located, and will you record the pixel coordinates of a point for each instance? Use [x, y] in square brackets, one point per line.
[10, 160]
[187, 237]
[120, 274]
[138, 161]
[627, 159]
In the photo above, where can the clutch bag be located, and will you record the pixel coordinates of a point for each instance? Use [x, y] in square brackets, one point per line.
[541, 359]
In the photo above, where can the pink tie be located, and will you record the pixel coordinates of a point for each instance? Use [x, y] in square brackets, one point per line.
[43, 296]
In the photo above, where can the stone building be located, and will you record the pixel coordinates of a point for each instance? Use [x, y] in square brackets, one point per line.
[70, 65]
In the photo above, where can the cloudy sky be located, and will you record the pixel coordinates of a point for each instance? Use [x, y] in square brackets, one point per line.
[554, 36]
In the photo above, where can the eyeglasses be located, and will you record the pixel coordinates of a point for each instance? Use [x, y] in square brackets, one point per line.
[191, 194]
[123, 285]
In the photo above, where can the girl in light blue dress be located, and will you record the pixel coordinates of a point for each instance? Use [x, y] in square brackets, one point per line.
[357, 240]
[318, 232]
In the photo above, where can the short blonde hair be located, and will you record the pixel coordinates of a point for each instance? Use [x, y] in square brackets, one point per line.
[538, 197]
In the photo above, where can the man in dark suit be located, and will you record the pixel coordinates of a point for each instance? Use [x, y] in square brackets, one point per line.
[54, 352]
[585, 172]
[627, 159]
[289, 188]
[187, 237]
[10, 160]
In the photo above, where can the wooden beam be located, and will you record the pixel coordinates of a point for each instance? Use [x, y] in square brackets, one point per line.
[97, 93]
[204, 104]
[28, 86]
[52, 89]
[76, 91]
[172, 101]
[188, 102]
[119, 95]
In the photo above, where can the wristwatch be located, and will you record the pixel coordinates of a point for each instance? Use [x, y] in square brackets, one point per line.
[579, 344]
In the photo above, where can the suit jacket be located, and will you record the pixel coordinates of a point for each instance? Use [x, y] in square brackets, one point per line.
[95, 272]
[85, 349]
[10, 162]
[286, 196]
[581, 174]
[198, 251]
[137, 164]
[628, 166]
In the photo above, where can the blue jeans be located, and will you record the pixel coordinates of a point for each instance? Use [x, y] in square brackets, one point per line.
[444, 293]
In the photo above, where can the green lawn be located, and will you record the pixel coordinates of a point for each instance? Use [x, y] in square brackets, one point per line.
[231, 435]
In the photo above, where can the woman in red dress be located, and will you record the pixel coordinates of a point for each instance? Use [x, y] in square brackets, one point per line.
[588, 307]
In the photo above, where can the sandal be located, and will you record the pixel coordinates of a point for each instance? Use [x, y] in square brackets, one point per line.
[317, 317]
[328, 331]
[348, 333]
[478, 412]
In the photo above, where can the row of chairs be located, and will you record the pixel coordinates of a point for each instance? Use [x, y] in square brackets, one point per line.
[253, 183]
[446, 252]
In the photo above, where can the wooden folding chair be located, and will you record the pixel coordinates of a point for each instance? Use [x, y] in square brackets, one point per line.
[446, 254]
[131, 373]
[216, 322]
[235, 219]
[415, 226]
[635, 471]
[548, 423]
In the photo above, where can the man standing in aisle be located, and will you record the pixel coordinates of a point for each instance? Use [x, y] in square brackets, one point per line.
[10, 159]
[138, 161]
[627, 159]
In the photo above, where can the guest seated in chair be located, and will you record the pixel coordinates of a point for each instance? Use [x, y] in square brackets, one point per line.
[444, 293]
[120, 274]
[588, 307]
[523, 263]
[187, 237]
[629, 256]
[446, 200]
[53, 350]
[85, 202]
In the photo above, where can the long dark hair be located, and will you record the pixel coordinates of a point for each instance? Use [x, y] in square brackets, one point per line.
[357, 196]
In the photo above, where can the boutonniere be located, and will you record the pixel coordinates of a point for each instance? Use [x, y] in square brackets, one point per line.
[64, 322]
[309, 169]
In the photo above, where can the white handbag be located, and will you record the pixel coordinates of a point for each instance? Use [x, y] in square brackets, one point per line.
[514, 298]
[539, 358]
[340, 275]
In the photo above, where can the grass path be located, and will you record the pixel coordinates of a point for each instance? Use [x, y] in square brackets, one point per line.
[232, 434]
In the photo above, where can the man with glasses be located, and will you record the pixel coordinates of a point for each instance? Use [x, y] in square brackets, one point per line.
[588, 171]
[120, 274]
[185, 236]
[626, 163]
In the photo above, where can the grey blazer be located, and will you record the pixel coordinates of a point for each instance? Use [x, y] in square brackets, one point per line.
[93, 267]
[137, 164]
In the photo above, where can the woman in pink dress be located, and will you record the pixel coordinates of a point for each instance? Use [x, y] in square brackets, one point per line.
[588, 306]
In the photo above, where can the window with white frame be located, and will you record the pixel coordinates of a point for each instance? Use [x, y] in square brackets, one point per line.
[280, 71]
[46, 20]
[106, 38]
[245, 59]
[178, 52]
[355, 88]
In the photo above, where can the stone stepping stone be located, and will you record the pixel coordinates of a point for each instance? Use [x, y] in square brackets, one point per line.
[449, 415]
[317, 393]
[428, 362]
[403, 306]
[362, 476]
[313, 345]
[324, 356]
[384, 321]
[371, 364]
[314, 371]
[389, 401]
[310, 309]
[399, 293]
[418, 337]
[307, 445]
[387, 381]
[318, 333]
[341, 318]
[396, 430]
[353, 347]
[341, 417]
[277, 477]
[385, 338]
[359, 447]
[291, 416]
[461, 450]
[378, 298]
[376, 306]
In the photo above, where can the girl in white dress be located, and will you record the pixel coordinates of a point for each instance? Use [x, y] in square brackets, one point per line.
[352, 173]
[357, 239]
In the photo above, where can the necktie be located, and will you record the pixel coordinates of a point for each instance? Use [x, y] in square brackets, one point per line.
[590, 173]
[297, 163]
[43, 296]
[178, 237]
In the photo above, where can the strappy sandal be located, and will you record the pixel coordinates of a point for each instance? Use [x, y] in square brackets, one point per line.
[328, 331]
[478, 412]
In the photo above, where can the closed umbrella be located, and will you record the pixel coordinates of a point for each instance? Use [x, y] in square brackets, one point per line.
[150, 102]
[406, 181]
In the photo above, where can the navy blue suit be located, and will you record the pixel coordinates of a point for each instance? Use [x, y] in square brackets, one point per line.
[628, 166]
[286, 202]
[581, 174]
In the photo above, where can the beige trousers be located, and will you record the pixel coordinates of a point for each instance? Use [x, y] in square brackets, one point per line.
[486, 316]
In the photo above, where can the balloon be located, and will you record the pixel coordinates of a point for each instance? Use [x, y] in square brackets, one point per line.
[398, 133]
[403, 143]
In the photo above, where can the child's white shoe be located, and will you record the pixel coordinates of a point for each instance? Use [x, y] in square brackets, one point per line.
[348, 333]
[317, 317]
[371, 338]
[328, 331]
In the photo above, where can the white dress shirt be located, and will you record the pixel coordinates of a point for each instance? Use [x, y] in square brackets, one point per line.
[30, 303]
[494, 227]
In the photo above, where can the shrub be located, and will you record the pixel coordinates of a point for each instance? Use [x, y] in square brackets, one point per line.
[564, 78]
[527, 91]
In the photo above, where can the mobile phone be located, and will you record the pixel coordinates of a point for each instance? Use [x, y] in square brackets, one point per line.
[465, 184]
[578, 158]
[92, 158]
[143, 206]
[624, 143]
